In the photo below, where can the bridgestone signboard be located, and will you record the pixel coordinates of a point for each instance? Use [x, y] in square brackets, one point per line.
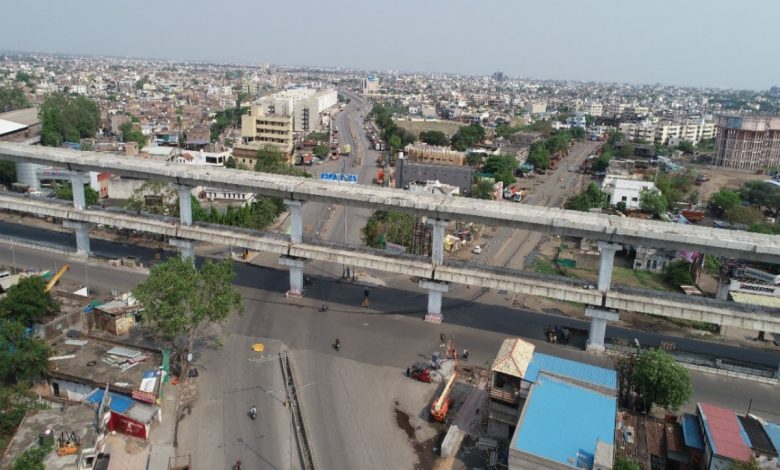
[760, 289]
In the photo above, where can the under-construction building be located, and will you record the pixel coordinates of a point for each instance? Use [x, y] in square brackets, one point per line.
[748, 142]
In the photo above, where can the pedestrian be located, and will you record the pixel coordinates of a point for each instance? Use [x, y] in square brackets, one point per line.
[465, 354]
[365, 297]
[408, 371]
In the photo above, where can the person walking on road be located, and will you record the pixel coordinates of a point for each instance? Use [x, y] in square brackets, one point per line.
[365, 297]
[465, 354]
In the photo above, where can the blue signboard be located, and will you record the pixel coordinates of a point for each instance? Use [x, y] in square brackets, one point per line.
[341, 177]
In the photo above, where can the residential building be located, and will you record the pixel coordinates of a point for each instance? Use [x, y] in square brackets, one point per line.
[420, 152]
[725, 441]
[536, 108]
[594, 109]
[369, 85]
[408, 172]
[748, 142]
[625, 190]
[259, 129]
[652, 259]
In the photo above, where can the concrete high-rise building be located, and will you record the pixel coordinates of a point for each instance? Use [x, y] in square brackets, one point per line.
[304, 105]
[748, 142]
[369, 85]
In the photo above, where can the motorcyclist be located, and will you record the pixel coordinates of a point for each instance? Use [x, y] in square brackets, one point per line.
[338, 343]
[237, 466]
[253, 412]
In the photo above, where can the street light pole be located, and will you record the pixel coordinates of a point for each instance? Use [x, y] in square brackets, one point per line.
[13, 255]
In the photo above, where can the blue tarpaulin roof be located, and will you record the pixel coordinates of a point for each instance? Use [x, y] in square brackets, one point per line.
[691, 431]
[579, 371]
[773, 431]
[563, 422]
[119, 403]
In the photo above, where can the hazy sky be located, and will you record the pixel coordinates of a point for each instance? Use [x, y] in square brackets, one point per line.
[722, 43]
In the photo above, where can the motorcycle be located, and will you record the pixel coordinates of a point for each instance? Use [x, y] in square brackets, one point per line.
[253, 412]
[337, 345]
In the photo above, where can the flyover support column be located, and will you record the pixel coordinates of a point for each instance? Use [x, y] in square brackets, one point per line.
[436, 290]
[184, 246]
[185, 204]
[437, 241]
[600, 316]
[82, 235]
[79, 198]
[295, 264]
[296, 274]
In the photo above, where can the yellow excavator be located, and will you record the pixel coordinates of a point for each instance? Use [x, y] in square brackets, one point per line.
[56, 277]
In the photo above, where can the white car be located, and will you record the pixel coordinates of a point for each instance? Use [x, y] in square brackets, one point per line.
[477, 250]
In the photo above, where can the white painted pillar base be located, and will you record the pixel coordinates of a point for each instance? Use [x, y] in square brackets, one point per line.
[184, 246]
[185, 204]
[82, 235]
[296, 275]
[598, 327]
[437, 240]
[296, 220]
[607, 260]
[435, 292]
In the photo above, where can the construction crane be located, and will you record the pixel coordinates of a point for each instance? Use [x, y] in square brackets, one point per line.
[440, 407]
[56, 277]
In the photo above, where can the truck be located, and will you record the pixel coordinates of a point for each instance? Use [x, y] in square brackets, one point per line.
[346, 150]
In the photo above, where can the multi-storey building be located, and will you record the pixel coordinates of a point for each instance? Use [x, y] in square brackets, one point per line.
[748, 142]
[420, 152]
[304, 105]
[667, 132]
[259, 129]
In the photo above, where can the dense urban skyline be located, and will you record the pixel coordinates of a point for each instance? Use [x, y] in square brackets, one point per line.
[692, 43]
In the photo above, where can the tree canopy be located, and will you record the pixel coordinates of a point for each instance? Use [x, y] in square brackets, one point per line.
[660, 380]
[7, 172]
[725, 199]
[502, 167]
[22, 359]
[68, 118]
[763, 194]
[592, 198]
[434, 138]
[131, 134]
[27, 301]
[744, 215]
[678, 273]
[686, 146]
[12, 98]
[482, 188]
[467, 136]
[652, 202]
[181, 300]
[539, 156]
[272, 160]
[394, 227]
[64, 191]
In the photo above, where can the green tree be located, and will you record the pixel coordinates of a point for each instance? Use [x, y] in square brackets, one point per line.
[763, 194]
[64, 191]
[539, 156]
[660, 380]
[12, 98]
[626, 151]
[434, 138]
[577, 133]
[23, 359]
[393, 227]
[7, 172]
[724, 200]
[592, 198]
[68, 118]
[752, 465]
[321, 151]
[467, 136]
[652, 202]
[686, 146]
[33, 458]
[230, 162]
[623, 464]
[154, 197]
[678, 273]
[131, 134]
[744, 215]
[502, 167]
[482, 189]
[181, 300]
[27, 301]
[394, 142]
[711, 265]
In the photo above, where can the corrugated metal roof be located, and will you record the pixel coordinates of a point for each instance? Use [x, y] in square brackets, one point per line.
[691, 432]
[563, 422]
[724, 433]
[141, 413]
[513, 357]
[6, 127]
[589, 374]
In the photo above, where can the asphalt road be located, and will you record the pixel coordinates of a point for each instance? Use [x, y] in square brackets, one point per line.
[348, 396]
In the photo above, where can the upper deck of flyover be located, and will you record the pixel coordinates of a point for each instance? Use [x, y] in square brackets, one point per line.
[602, 227]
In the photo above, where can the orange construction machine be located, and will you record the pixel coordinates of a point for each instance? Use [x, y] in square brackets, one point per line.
[440, 407]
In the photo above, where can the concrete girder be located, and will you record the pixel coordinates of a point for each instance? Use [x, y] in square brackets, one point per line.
[599, 227]
[641, 301]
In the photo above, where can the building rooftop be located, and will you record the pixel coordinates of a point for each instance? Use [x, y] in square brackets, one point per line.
[563, 422]
[580, 372]
[514, 357]
[6, 127]
[97, 363]
[26, 116]
[759, 440]
[724, 432]
[691, 432]
[773, 432]
[78, 419]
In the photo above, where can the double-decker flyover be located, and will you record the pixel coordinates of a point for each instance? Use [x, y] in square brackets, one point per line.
[607, 228]
[612, 232]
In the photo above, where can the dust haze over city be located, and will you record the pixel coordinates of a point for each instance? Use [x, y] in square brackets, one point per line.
[370, 235]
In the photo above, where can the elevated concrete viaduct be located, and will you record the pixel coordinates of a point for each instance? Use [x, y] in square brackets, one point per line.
[612, 233]
[559, 288]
